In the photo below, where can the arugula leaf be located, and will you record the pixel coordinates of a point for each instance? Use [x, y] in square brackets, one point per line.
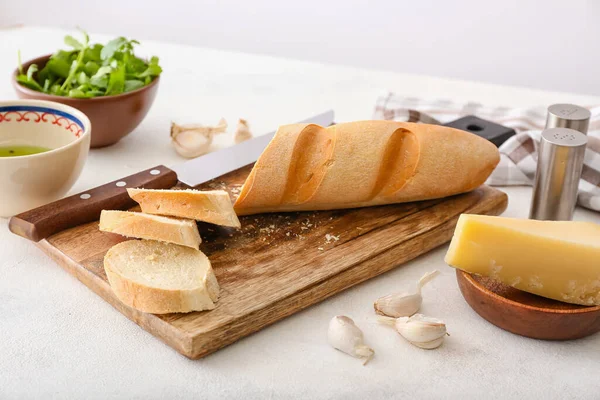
[20, 65]
[152, 70]
[93, 53]
[90, 68]
[30, 83]
[105, 70]
[100, 82]
[58, 66]
[109, 50]
[133, 84]
[116, 81]
[33, 68]
[82, 78]
[55, 89]
[74, 43]
[77, 93]
[135, 65]
[96, 93]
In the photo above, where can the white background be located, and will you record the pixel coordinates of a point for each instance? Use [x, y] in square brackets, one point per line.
[551, 45]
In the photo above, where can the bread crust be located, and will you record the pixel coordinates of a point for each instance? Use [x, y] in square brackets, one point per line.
[364, 163]
[154, 227]
[212, 206]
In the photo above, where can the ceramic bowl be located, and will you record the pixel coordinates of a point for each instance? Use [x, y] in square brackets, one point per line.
[113, 117]
[33, 180]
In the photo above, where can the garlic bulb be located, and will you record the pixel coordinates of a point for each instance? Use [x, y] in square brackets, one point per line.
[344, 335]
[403, 304]
[422, 331]
[194, 140]
[242, 133]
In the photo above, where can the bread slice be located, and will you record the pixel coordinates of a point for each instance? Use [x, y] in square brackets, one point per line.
[212, 206]
[146, 226]
[160, 278]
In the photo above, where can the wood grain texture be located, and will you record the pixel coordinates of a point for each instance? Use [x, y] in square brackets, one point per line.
[41, 222]
[527, 314]
[278, 264]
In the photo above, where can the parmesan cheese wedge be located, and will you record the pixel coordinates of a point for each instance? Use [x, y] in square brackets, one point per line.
[559, 260]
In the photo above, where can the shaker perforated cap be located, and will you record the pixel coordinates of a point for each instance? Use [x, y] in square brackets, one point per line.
[568, 116]
[560, 161]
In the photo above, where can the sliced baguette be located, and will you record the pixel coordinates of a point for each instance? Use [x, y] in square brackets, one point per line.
[213, 206]
[155, 227]
[161, 278]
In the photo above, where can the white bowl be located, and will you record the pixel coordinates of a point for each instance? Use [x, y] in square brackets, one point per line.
[30, 181]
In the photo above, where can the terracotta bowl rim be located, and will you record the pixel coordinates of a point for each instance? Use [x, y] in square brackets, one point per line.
[55, 98]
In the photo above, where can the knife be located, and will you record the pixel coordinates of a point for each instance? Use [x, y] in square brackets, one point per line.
[81, 208]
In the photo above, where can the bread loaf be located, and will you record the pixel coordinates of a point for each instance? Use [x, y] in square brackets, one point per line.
[161, 278]
[146, 226]
[213, 206]
[365, 163]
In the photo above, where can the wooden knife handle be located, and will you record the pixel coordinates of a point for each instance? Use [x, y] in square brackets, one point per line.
[41, 222]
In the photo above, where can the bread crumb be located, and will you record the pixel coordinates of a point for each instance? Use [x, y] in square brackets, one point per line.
[151, 257]
[321, 249]
[287, 234]
[329, 238]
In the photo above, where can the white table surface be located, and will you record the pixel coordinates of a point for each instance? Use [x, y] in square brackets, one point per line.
[59, 340]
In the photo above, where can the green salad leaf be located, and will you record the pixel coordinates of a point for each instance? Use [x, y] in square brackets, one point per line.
[91, 70]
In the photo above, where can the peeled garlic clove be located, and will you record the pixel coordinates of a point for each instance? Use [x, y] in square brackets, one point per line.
[403, 304]
[344, 335]
[194, 140]
[419, 330]
[242, 133]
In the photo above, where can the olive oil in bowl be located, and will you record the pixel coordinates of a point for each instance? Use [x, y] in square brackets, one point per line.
[16, 151]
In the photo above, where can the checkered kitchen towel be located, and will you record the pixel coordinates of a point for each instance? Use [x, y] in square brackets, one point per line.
[519, 153]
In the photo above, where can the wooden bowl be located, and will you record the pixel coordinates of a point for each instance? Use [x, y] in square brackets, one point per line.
[112, 117]
[527, 314]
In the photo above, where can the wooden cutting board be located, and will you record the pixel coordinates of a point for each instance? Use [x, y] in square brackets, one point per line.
[276, 265]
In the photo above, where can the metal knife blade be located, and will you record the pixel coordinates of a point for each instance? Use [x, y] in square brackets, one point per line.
[213, 165]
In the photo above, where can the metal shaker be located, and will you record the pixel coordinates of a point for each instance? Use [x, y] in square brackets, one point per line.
[568, 116]
[560, 162]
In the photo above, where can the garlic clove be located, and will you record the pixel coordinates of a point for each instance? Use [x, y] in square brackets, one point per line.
[190, 144]
[434, 344]
[344, 335]
[194, 140]
[419, 330]
[403, 304]
[398, 304]
[242, 133]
